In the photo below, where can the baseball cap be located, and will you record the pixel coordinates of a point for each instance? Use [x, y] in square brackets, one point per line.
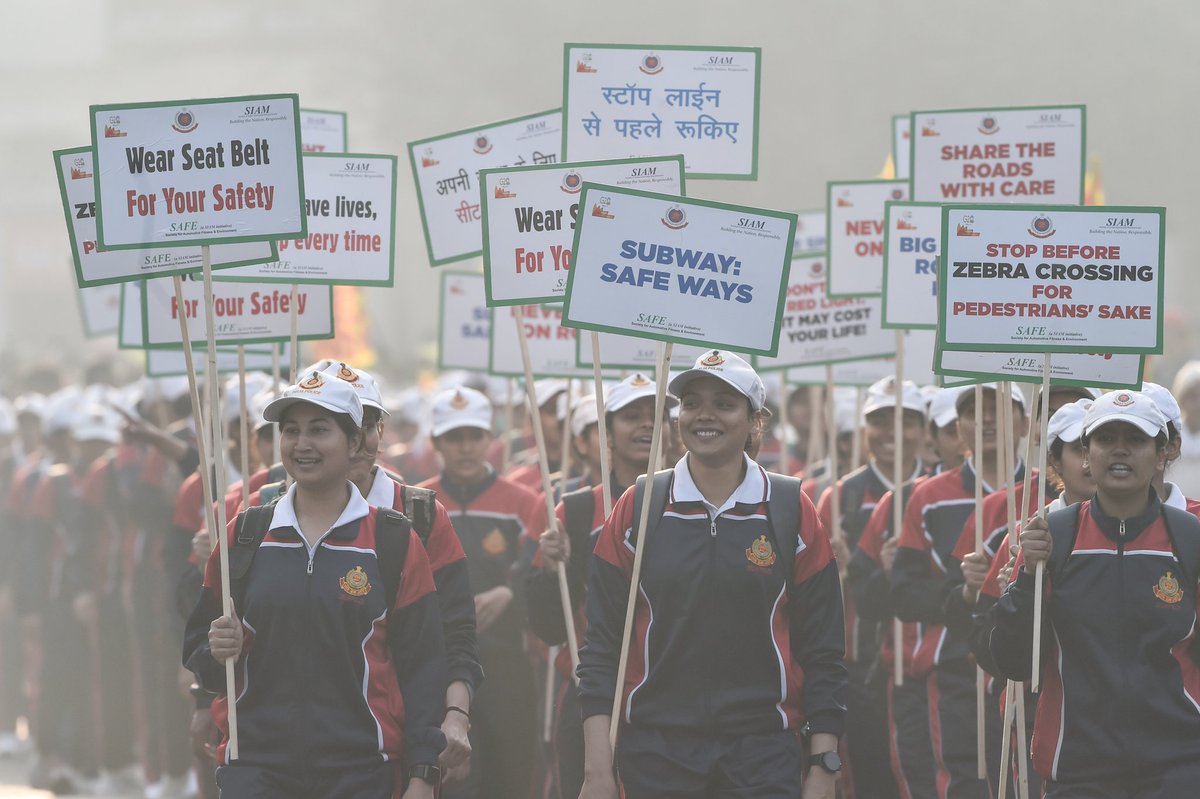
[943, 408]
[882, 394]
[61, 409]
[460, 407]
[546, 390]
[1131, 407]
[1067, 422]
[731, 369]
[968, 392]
[1165, 401]
[583, 414]
[632, 388]
[366, 386]
[258, 409]
[324, 391]
[96, 423]
[32, 404]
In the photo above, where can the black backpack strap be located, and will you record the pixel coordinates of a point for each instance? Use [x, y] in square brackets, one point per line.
[420, 506]
[391, 549]
[1064, 527]
[660, 489]
[249, 532]
[783, 515]
[1184, 531]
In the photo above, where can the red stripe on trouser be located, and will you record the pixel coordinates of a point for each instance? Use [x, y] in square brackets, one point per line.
[935, 735]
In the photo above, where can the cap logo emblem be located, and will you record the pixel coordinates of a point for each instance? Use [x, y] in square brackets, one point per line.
[1123, 400]
[713, 360]
[1168, 589]
[639, 380]
[346, 374]
[313, 382]
[458, 401]
[761, 553]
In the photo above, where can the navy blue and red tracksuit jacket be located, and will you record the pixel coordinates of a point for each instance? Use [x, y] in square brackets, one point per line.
[732, 635]
[926, 577]
[1121, 664]
[333, 674]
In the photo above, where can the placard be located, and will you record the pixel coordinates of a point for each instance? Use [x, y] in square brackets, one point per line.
[628, 352]
[129, 327]
[1073, 369]
[918, 366]
[1036, 278]
[811, 229]
[464, 323]
[189, 172]
[551, 346]
[999, 155]
[855, 234]
[323, 131]
[901, 145]
[816, 329]
[100, 309]
[912, 234]
[529, 218]
[624, 101]
[243, 313]
[446, 172]
[171, 363]
[350, 201]
[96, 267]
[677, 269]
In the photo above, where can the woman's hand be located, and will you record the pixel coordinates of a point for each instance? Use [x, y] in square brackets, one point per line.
[1036, 545]
[887, 556]
[490, 605]
[455, 760]
[556, 548]
[225, 638]
[974, 570]
[1004, 576]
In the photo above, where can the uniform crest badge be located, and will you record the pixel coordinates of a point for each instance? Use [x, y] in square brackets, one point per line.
[356, 582]
[761, 553]
[1168, 589]
[494, 543]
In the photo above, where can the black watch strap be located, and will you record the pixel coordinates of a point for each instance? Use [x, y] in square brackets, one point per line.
[425, 771]
[829, 761]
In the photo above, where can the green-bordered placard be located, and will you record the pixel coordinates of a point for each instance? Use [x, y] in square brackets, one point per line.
[309, 146]
[252, 168]
[463, 285]
[900, 160]
[928, 310]
[103, 294]
[729, 327]
[539, 196]
[1066, 369]
[696, 84]
[807, 242]
[1032, 334]
[859, 285]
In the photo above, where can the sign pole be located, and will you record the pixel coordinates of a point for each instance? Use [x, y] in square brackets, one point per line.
[816, 427]
[1035, 682]
[856, 436]
[601, 428]
[295, 341]
[202, 431]
[898, 498]
[980, 693]
[1006, 739]
[784, 427]
[835, 519]
[275, 455]
[1022, 750]
[244, 415]
[1005, 421]
[662, 371]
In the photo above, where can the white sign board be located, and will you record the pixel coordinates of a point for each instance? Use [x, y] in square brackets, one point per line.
[911, 237]
[551, 346]
[100, 309]
[129, 330]
[350, 201]
[529, 219]
[1032, 278]
[999, 155]
[901, 145]
[171, 363]
[446, 171]
[627, 101]
[628, 352]
[855, 210]
[918, 366]
[323, 131]
[677, 269]
[464, 323]
[1071, 368]
[189, 172]
[810, 233]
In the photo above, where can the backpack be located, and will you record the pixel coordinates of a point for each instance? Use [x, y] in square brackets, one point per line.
[783, 509]
[391, 548]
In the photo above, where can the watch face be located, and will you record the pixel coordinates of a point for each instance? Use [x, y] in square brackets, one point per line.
[831, 762]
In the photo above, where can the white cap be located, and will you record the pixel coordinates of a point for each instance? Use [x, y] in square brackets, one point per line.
[363, 382]
[546, 390]
[1067, 422]
[583, 414]
[632, 388]
[258, 409]
[318, 366]
[943, 408]
[256, 383]
[1131, 407]
[8, 419]
[460, 407]
[1166, 403]
[324, 391]
[166, 389]
[61, 408]
[408, 406]
[845, 407]
[33, 404]
[882, 394]
[96, 423]
[728, 367]
[968, 392]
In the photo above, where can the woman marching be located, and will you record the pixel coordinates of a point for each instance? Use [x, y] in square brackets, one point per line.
[337, 636]
[1119, 714]
[739, 596]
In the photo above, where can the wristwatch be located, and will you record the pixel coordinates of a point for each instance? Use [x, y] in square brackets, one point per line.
[433, 775]
[828, 761]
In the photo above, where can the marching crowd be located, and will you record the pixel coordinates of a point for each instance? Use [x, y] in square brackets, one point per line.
[398, 630]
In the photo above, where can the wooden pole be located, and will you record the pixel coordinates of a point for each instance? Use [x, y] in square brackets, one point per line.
[601, 428]
[275, 456]
[856, 436]
[1007, 456]
[1022, 748]
[564, 456]
[662, 370]
[564, 591]
[816, 429]
[244, 429]
[218, 456]
[1006, 739]
[509, 433]
[835, 518]
[1035, 682]
[898, 497]
[295, 340]
[980, 688]
[784, 428]
[203, 432]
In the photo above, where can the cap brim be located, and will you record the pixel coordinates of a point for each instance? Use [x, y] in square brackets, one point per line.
[614, 407]
[455, 424]
[276, 407]
[680, 382]
[1145, 425]
[368, 403]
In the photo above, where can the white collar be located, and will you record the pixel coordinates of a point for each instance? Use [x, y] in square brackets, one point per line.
[285, 510]
[1175, 498]
[918, 470]
[754, 488]
[383, 490]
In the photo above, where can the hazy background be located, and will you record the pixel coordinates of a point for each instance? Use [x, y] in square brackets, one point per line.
[833, 75]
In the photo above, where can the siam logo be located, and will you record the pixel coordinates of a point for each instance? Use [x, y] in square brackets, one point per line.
[482, 145]
[572, 182]
[458, 401]
[761, 553]
[79, 170]
[1041, 227]
[930, 129]
[675, 218]
[312, 383]
[113, 130]
[651, 64]
[427, 158]
[494, 543]
[988, 125]
[716, 359]
[1123, 400]
[904, 221]
[1168, 589]
[356, 583]
[584, 64]
[185, 121]
[501, 192]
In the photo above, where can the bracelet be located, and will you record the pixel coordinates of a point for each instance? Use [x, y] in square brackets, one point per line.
[460, 710]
